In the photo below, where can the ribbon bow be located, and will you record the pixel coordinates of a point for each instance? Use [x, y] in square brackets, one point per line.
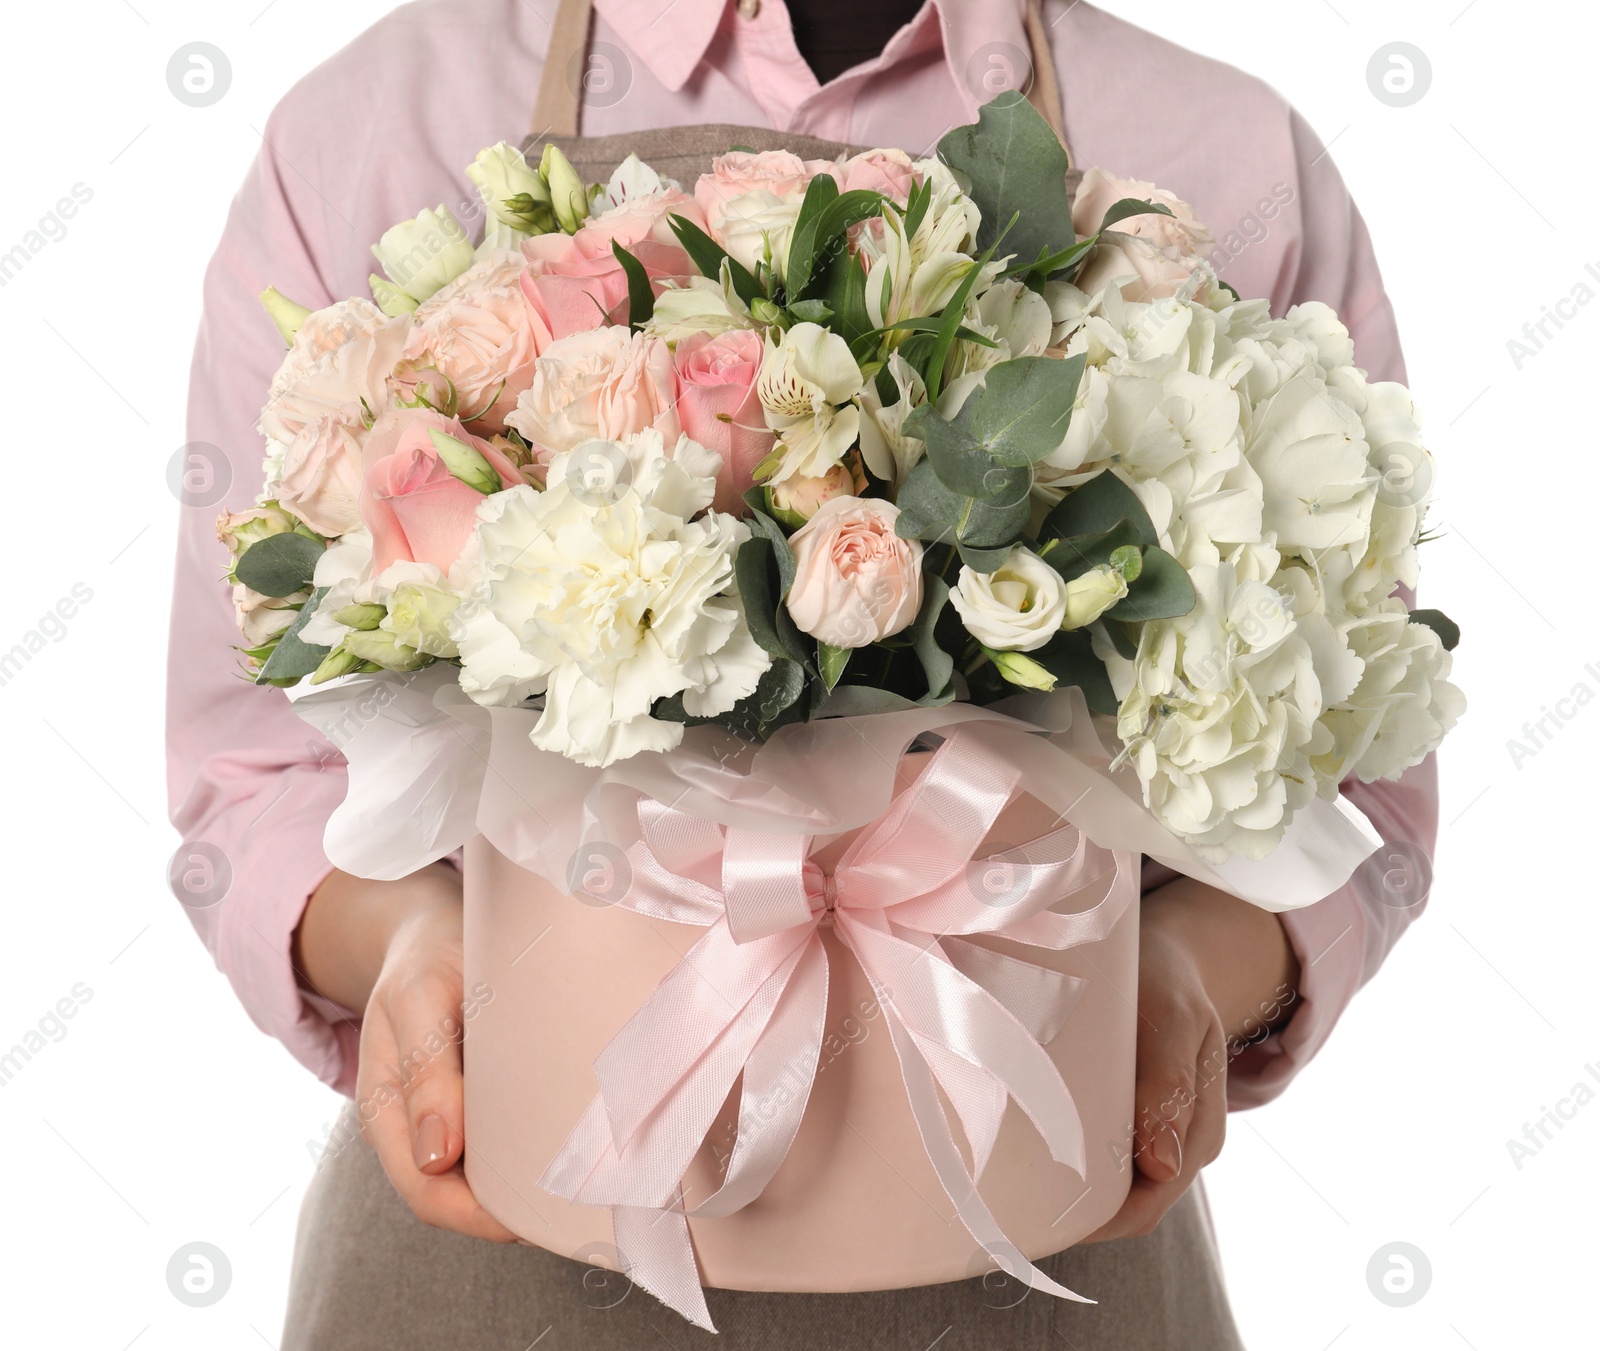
[750, 997]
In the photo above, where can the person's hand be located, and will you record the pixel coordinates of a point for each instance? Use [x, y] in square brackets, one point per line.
[1212, 969]
[408, 1081]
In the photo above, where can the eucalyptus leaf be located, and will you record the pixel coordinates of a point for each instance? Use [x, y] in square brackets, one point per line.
[1070, 658]
[1016, 167]
[984, 560]
[1095, 507]
[1162, 590]
[1447, 629]
[293, 659]
[937, 664]
[1075, 556]
[1025, 406]
[279, 565]
[752, 570]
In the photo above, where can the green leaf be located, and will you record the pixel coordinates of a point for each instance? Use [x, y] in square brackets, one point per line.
[958, 460]
[811, 311]
[1162, 590]
[918, 201]
[708, 255]
[1095, 507]
[1026, 403]
[984, 560]
[1119, 637]
[931, 511]
[954, 312]
[831, 662]
[1075, 556]
[820, 192]
[279, 565]
[1070, 658]
[1017, 168]
[1128, 207]
[292, 659]
[828, 245]
[766, 528]
[641, 298]
[1447, 629]
[937, 664]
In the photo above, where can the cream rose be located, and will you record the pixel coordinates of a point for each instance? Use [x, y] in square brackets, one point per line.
[856, 581]
[604, 384]
[1181, 231]
[478, 332]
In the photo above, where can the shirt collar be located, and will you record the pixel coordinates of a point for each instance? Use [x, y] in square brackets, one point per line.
[671, 37]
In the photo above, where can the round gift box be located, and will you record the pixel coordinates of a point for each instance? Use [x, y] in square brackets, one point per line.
[856, 1204]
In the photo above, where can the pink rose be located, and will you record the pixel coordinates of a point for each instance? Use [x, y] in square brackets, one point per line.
[718, 406]
[887, 171]
[856, 581]
[414, 507]
[606, 383]
[1143, 271]
[575, 283]
[320, 478]
[751, 201]
[802, 495]
[1168, 248]
[342, 355]
[479, 333]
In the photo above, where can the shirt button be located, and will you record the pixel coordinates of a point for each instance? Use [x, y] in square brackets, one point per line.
[748, 9]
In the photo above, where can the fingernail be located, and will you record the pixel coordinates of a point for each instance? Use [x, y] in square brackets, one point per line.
[1167, 1151]
[430, 1143]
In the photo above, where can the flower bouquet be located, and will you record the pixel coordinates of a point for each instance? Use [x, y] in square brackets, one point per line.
[645, 538]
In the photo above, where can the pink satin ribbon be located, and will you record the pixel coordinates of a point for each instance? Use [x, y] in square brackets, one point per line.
[750, 997]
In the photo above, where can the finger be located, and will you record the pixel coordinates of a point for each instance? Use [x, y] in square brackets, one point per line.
[425, 1014]
[444, 1199]
[1165, 1086]
[1150, 1198]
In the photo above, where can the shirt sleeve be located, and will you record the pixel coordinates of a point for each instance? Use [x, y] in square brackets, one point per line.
[249, 783]
[1342, 940]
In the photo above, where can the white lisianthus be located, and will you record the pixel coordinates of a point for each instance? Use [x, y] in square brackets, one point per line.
[1403, 705]
[1090, 594]
[516, 197]
[423, 255]
[1219, 716]
[1016, 608]
[604, 607]
[419, 618]
[806, 385]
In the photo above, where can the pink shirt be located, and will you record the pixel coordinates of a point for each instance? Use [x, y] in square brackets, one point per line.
[386, 127]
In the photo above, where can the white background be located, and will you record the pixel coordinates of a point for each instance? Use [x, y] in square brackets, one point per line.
[163, 1117]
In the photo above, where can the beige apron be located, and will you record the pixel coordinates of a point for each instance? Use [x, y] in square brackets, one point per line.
[367, 1274]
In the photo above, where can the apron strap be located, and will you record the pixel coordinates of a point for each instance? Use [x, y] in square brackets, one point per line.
[555, 110]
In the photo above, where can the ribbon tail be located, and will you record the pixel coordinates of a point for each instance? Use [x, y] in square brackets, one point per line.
[778, 1079]
[943, 1153]
[659, 1257]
